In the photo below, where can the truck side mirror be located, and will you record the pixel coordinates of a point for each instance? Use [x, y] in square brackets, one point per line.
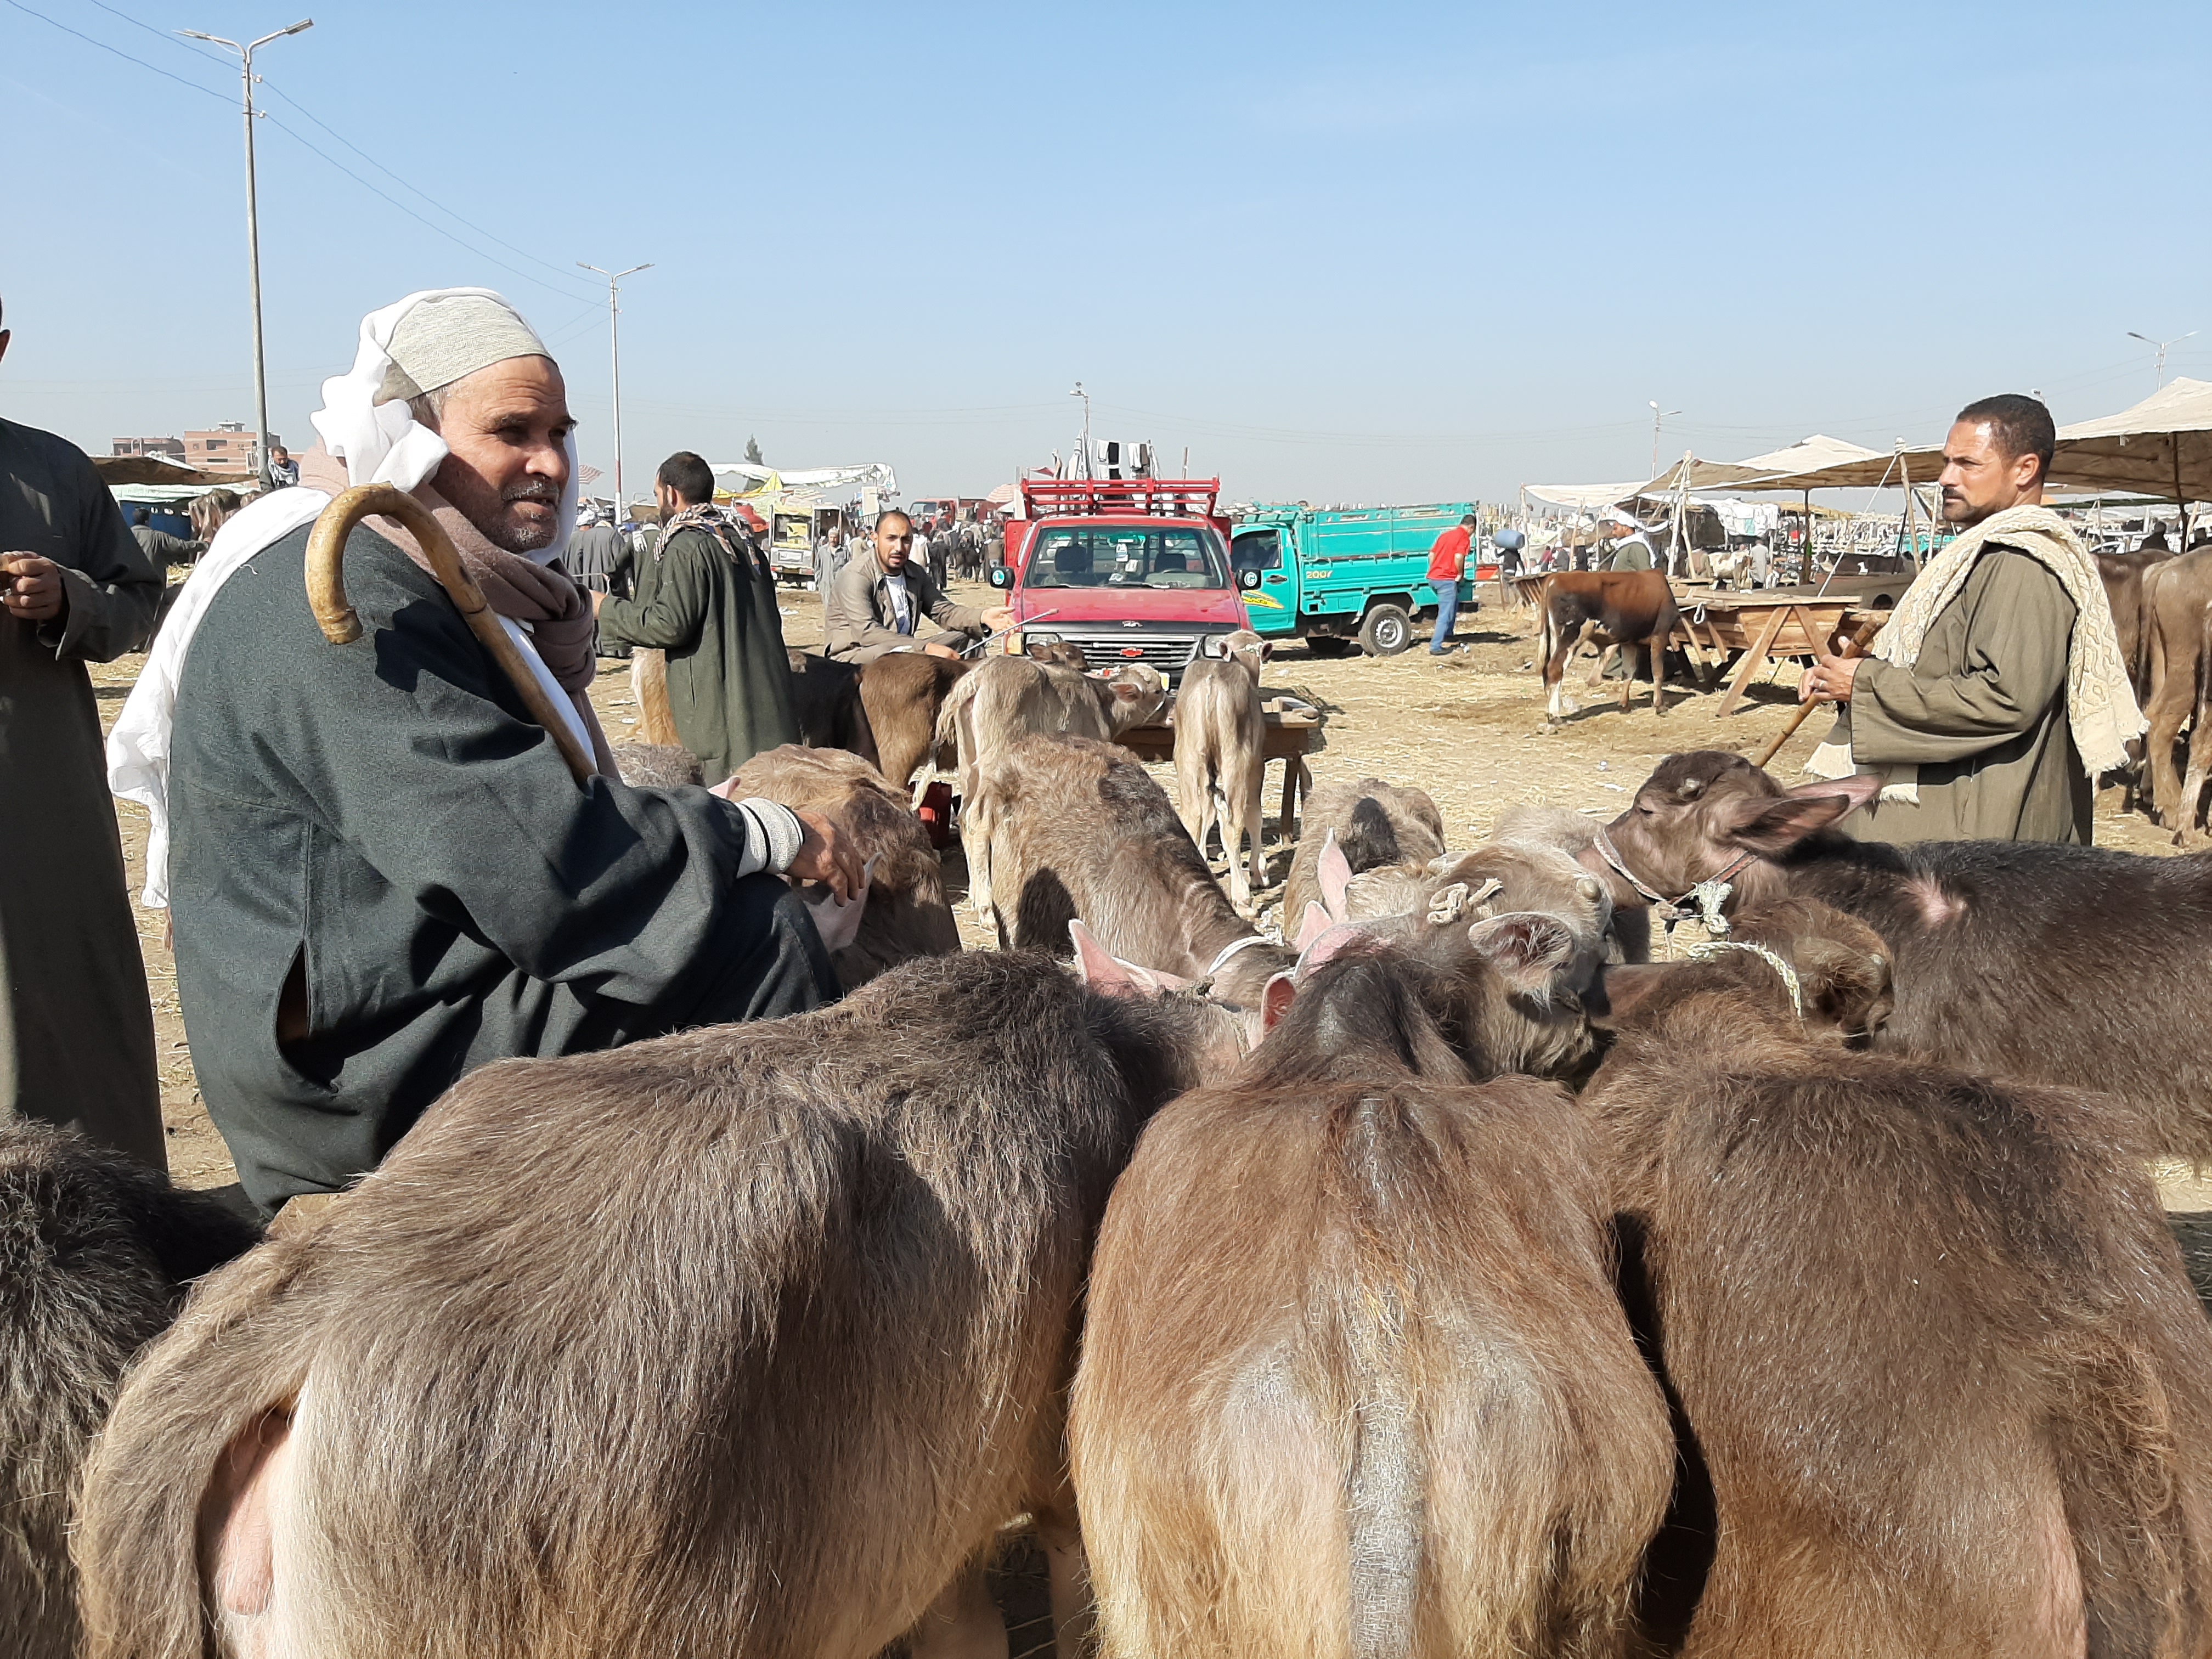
[1001, 577]
[1247, 579]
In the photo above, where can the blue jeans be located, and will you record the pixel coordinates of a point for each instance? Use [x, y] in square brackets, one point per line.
[1447, 612]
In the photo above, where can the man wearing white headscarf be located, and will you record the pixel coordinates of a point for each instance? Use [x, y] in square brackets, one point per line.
[381, 872]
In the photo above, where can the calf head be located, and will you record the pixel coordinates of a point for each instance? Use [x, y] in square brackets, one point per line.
[1133, 694]
[1059, 654]
[1219, 1033]
[1497, 879]
[1699, 812]
[1243, 647]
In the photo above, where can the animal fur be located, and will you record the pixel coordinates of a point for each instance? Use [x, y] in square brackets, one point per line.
[1220, 756]
[1374, 823]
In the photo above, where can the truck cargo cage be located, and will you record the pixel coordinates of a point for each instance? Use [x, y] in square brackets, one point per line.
[1161, 498]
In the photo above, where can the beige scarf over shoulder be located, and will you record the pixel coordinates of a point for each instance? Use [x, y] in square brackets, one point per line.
[2100, 700]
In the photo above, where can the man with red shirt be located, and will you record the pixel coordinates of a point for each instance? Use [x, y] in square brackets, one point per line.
[1447, 560]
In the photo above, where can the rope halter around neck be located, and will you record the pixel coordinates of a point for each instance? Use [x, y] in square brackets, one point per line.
[1703, 900]
[1713, 948]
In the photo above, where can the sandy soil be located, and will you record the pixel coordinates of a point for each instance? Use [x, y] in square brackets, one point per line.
[1468, 727]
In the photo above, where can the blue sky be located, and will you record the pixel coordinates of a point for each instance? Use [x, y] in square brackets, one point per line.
[1389, 252]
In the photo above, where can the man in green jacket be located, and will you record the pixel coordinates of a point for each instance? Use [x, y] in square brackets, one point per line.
[1997, 693]
[705, 599]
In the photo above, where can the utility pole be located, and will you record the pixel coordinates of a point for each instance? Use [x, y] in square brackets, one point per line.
[614, 330]
[1657, 416]
[253, 235]
[2160, 346]
[1079, 393]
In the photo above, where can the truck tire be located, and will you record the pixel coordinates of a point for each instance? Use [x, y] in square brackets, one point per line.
[1386, 631]
[1327, 645]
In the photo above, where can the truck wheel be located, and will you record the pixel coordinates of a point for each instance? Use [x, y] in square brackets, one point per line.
[1327, 645]
[1386, 631]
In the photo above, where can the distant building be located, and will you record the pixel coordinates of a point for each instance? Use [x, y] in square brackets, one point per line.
[171, 447]
[228, 448]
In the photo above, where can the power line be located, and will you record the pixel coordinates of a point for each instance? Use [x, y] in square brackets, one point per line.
[91, 41]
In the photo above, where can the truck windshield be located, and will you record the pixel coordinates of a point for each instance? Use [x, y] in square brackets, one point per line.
[1125, 556]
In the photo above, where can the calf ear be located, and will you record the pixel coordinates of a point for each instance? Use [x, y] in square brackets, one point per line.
[1106, 973]
[1125, 692]
[1528, 949]
[1315, 924]
[1771, 825]
[1266, 650]
[1849, 989]
[1335, 943]
[1620, 990]
[1275, 1001]
[1335, 875]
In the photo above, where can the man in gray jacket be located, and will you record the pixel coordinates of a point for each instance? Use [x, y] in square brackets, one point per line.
[879, 603]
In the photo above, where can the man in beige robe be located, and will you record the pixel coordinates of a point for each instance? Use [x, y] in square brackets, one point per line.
[1997, 693]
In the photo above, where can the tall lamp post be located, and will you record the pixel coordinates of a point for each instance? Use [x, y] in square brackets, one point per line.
[1077, 391]
[614, 328]
[1657, 416]
[2160, 346]
[254, 234]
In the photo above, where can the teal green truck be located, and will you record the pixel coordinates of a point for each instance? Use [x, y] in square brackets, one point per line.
[1340, 578]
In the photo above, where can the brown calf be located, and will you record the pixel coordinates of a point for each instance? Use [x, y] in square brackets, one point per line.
[742, 1342]
[825, 696]
[1354, 1378]
[902, 694]
[906, 915]
[95, 1251]
[2177, 600]
[2014, 958]
[1617, 607]
[1005, 698]
[1941, 1369]
[1220, 756]
[1374, 822]
[1629, 934]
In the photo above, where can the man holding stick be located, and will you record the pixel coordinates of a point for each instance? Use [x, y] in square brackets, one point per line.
[1996, 693]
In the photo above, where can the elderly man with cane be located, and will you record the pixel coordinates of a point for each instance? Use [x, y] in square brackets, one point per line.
[382, 870]
[1996, 693]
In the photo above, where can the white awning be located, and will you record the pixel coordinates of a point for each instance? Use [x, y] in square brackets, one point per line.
[1579, 497]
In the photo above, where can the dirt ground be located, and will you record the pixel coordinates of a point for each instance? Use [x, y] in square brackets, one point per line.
[1468, 727]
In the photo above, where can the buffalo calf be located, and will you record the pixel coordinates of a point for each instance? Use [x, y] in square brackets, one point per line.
[1374, 823]
[1615, 607]
[1354, 1378]
[95, 1252]
[742, 1342]
[1220, 756]
[1941, 1370]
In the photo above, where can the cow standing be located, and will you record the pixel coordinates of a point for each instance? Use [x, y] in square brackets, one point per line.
[1220, 756]
[1615, 607]
[1947, 1388]
[1354, 1379]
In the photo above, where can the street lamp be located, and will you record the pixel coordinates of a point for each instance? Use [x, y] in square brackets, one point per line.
[253, 233]
[2160, 346]
[1078, 391]
[614, 328]
[1657, 416]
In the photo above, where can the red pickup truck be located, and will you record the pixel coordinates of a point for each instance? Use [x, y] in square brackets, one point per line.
[1126, 570]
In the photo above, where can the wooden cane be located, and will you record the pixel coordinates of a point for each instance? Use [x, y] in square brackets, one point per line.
[1853, 646]
[334, 613]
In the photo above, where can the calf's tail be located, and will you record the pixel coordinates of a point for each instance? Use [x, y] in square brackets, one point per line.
[1547, 627]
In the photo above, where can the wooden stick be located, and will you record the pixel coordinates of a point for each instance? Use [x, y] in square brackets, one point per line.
[1853, 646]
[335, 615]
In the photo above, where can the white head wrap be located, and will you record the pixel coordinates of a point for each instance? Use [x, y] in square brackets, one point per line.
[373, 432]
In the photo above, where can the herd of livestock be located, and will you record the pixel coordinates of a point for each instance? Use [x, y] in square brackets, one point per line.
[1445, 1278]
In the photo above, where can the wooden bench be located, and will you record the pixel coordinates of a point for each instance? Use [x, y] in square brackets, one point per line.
[1766, 625]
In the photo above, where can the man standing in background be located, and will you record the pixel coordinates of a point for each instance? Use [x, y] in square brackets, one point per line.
[1447, 563]
[77, 1030]
[600, 558]
[705, 597]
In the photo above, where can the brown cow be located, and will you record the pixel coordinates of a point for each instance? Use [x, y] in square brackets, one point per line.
[2123, 575]
[2177, 597]
[906, 915]
[1574, 833]
[742, 1342]
[1374, 823]
[2017, 959]
[1008, 697]
[1943, 1377]
[95, 1251]
[1220, 755]
[1617, 607]
[825, 697]
[1354, 1378]
[902, 693]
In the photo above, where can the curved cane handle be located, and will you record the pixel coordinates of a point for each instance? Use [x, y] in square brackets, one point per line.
[341, 625]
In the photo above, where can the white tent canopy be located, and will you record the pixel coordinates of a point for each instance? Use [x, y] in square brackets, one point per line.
[870, 475]
[2161, 446]
[1578, 497]
[1805, 455]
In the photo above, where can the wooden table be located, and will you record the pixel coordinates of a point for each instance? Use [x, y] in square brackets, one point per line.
[1292, 728]
[1766, 625]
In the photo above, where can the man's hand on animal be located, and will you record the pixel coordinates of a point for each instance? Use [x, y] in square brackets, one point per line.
[35, 593]
[828, 855]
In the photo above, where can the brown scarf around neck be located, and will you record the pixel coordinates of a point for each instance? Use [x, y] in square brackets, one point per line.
[543, 597]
